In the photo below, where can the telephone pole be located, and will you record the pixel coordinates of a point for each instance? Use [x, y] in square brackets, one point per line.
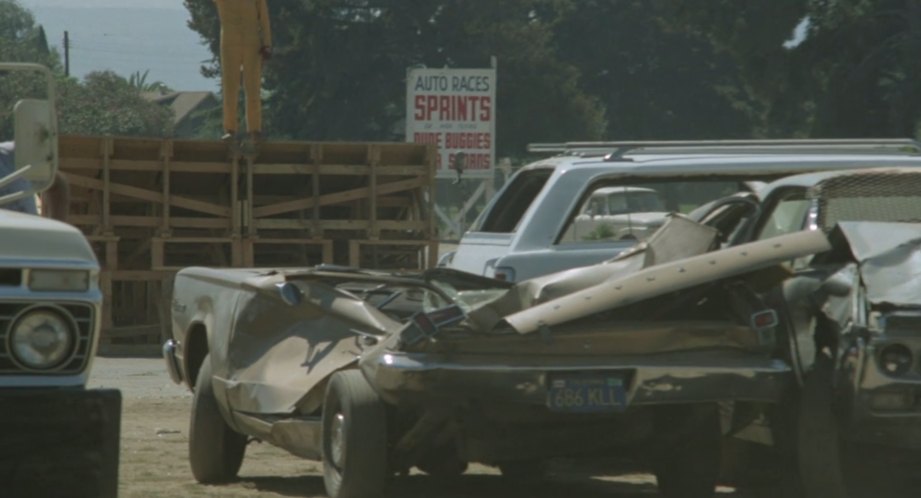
[66, 54]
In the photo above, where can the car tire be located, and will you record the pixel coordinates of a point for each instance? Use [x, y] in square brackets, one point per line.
[215, 450]
[690, 468]
[818, 443]
[354, 438]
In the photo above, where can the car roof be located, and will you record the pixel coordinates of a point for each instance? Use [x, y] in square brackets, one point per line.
[755, 165]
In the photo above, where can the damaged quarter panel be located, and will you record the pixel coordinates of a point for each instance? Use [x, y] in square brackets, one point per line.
[279, 353]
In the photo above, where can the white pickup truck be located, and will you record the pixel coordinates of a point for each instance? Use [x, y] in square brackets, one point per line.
[57, 438]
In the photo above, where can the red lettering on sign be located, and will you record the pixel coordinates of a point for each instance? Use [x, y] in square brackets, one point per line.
[452, 108]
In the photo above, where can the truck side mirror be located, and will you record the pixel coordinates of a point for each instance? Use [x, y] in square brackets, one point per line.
[36, 142]
[36, 138]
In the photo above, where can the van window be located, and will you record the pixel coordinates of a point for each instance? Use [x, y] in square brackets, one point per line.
[514, 201]
[623, 212]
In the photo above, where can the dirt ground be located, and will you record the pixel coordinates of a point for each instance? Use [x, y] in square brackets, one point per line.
[154, 445]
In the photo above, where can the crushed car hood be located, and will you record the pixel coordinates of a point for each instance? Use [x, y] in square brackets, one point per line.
[888, 257]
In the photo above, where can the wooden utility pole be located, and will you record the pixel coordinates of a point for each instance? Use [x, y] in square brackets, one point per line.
[66, 54]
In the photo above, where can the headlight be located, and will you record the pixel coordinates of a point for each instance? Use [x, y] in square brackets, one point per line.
[59, 280]
[896, 359]
[41, 339]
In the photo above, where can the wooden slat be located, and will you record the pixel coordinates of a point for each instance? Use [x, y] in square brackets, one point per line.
[339, 169]
[280, 224]
[148, 195]
[337, 197]
[81, 165]
[149, 221]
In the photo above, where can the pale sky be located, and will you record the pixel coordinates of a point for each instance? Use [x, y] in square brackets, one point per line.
[126, 36]
[156, 4]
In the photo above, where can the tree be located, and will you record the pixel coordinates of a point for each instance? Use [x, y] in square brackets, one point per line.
[104, 103]
[655, 82]
[138, 81]
[21, 40]
[853, 70]
[339, 67]
[108, 104]
[866, 67]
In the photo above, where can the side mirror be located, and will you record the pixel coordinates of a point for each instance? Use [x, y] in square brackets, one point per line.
[36, 138]
[36, 142]
[289, 293]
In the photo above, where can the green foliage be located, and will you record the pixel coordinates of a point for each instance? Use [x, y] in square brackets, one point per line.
[104, 103]
[602, 231]
[656, 83]
[108, 104]
[138, 81]
[854, 74]
[21, 40]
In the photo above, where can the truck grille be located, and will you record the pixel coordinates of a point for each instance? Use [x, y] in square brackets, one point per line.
[81, 314]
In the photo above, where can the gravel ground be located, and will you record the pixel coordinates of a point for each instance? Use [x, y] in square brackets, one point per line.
[154, 445]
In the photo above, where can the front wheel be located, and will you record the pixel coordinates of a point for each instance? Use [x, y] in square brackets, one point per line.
[354, 438]
[215, 450]
[690, 468]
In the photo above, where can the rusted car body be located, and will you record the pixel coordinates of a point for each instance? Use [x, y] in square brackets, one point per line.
[627, 358]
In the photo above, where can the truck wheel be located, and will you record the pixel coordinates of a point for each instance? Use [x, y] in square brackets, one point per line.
[690, 468]
[215, 450]
[818, 441]
[354, 438]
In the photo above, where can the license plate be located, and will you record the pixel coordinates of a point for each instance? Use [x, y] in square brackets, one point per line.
[587, 394]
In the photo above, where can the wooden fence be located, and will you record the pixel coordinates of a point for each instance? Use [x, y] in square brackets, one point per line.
[152, 206]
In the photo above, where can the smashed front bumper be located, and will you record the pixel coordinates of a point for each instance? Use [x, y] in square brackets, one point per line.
[682, 377]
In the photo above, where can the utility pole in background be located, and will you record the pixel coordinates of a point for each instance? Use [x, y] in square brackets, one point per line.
[66, 54]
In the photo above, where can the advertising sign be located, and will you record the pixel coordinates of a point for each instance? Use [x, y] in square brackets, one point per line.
[454, 109]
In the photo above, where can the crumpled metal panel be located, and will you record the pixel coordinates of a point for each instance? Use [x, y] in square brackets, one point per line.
[660, 279]
[889, 255]
[279, 353]
[678, 238]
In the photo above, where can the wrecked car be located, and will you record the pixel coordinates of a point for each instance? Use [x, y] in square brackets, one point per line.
[376, 373]
[851, 313]
[539, 222]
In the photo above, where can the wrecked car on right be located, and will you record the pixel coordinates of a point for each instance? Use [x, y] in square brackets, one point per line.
[853, 313]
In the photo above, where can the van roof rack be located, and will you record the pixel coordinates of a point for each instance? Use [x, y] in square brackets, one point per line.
[615, 150]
